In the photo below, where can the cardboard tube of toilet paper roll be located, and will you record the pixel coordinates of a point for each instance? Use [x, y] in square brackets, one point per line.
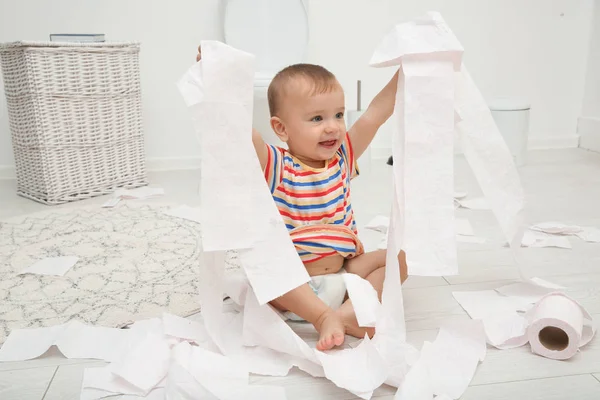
[556, 327]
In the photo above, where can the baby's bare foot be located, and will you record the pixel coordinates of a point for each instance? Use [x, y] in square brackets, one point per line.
[331, 331]
[348, 316]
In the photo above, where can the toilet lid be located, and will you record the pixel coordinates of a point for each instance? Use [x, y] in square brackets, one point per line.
[275, 31]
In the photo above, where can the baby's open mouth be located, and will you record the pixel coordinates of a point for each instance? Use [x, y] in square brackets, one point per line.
[328, 143]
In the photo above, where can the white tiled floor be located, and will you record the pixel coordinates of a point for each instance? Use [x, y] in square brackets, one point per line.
[561, 185]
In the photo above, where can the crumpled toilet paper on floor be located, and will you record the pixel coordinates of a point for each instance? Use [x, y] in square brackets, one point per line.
[555, 234]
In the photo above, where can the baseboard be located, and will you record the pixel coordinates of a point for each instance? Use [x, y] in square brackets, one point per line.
[553, 142]
[380, 153]
[172, 163]
[589, 130]
[8, 172]
[533, 143]
[152, 164]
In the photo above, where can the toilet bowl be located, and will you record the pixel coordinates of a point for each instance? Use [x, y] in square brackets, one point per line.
[276, 33]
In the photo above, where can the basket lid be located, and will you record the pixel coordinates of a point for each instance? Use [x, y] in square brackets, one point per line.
[14, 45]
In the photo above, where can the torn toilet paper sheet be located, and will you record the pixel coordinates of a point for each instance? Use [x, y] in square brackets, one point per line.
[465, 233]
[57, 266]
[478, 203]
[79, 341]
[556, 228]
[146, 364]
[459, 239]
[359, 370]
[424, 38]
[112, 202]
[185, 212]
[101, 382]
[504, 327]
[446, 366]
[380, 223]
[529, 292]
[191, 373]
[470, 239]
[541, 239]
[460, 195]
[73, 339]
[141, 358]
[486, 303]
[185, 329]
[364, 298]
[463, 227]
[454, 357]
[221, 108]
[140, 193]
[589, 234]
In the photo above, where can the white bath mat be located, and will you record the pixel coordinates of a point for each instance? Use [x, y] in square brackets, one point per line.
[134, 262]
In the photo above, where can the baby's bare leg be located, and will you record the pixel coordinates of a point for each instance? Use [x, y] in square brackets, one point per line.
[370, 266]
[303, 302]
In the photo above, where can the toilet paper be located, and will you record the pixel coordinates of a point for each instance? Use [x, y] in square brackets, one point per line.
[558, 326]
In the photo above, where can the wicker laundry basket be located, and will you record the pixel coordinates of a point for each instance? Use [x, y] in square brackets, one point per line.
[75, 117]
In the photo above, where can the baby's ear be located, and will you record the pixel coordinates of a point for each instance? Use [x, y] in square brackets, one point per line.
[279, 128]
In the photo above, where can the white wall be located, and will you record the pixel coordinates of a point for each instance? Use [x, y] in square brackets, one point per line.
[169, 32]
[591, 100]
[535, 49]
[589, 122]
[532, 48]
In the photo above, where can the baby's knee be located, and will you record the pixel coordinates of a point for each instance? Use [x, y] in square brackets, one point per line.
[403, 266]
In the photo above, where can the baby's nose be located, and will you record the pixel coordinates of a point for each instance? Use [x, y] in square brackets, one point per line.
[332, 126]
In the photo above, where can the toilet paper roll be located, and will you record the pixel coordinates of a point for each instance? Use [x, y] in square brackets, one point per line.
[556, 327]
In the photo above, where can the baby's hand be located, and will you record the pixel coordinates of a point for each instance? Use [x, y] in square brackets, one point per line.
[199, 55]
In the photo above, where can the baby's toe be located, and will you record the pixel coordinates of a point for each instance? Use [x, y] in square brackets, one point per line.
[338, 338]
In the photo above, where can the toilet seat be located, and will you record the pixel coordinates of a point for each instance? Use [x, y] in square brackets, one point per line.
[275, 31]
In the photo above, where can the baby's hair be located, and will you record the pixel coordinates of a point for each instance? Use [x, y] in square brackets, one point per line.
[322, 80]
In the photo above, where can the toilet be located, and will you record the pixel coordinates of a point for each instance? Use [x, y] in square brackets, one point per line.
[276, 32]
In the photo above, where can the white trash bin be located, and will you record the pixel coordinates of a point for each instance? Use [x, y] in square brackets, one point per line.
[512, 119]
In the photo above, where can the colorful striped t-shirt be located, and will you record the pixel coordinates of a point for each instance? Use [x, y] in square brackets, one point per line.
[310, 199]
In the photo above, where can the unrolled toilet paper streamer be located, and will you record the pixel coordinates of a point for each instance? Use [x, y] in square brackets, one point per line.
[238, 212]
[421, 48]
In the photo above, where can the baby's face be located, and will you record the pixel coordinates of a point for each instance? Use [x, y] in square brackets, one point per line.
[314, 124]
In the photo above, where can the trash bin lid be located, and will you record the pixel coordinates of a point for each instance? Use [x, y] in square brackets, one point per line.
[508, 104]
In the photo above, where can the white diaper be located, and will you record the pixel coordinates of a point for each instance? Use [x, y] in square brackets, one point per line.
[330, 288]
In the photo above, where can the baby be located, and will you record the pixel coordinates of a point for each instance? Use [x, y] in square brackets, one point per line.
[310, 183]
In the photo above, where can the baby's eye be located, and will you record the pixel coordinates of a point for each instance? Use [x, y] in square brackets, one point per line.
[339, 115]
[318, 118]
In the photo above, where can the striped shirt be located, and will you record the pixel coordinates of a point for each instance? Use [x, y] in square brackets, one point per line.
[307, 197]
